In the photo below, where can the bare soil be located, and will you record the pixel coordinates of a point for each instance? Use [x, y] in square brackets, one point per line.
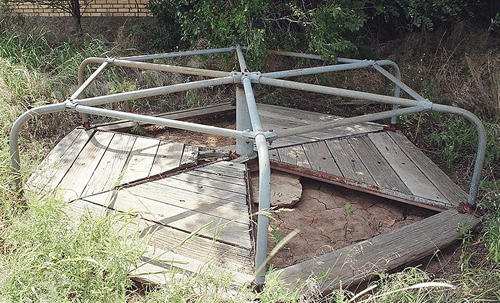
[331, 217]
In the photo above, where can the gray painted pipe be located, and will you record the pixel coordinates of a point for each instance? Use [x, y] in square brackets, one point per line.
[481, 146]
[348, 121]
[156, 91]
[207, 129]
[336, 91]
[14, 135]
[179, 54]
[264, 206]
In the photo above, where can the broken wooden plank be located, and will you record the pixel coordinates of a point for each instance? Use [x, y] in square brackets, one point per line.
[108, 173]
[444, 184]
[73, 184]
[363, 187]
[353, 264]
[409, 173]
[375, 163]
[189, 156]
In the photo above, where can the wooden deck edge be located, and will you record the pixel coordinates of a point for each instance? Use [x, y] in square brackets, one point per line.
[356, 185]
[356, 263]
[197, 112]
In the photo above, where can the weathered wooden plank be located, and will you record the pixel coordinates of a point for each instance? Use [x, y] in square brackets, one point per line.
[189, 156]
[60, 163]
[176, 115]
[294, 155]
[274, 155]
[170, 239]
[179, 187]
[140, 159]
[444, 184]
[363, 187]
[380, 170]
[231, 165]
[348, 161]
[352, 264]
[320, 158]
[298, 114]
[108, 173]
[46, 169]
[187, 220]
[206, 182]
[216, 176]
[73, 184]
[289, 141]
[222, 171]
[167, 158]
[226, 209]
[409, 173]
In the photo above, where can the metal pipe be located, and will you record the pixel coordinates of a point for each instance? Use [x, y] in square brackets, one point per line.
[164, 68]
[207, 129]
[241, 59]
[264, 176]
[318, 70]
[179, 54]
[310, 56]
[14, 135]
[264, 207]
[348, 121]
[397, 89]
[397, 82]
[336, 91]
[481, 146]
[82, 85]
[156, 91]
[252, 106]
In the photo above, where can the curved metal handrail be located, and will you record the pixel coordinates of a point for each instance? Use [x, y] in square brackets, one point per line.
[249, 127]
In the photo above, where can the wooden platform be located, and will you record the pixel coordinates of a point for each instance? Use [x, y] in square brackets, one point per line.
[197, 216]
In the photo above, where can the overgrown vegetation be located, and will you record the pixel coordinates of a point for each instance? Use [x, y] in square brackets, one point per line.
[328, 28]
[44, 256]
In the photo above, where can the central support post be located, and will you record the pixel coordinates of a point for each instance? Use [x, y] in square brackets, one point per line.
[243, 146]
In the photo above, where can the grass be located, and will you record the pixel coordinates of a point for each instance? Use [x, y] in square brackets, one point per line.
[46, 257]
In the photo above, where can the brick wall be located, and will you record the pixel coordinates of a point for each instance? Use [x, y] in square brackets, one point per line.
[110, 8]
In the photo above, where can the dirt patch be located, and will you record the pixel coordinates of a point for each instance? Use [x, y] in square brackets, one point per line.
[330, 217]
[195, 138]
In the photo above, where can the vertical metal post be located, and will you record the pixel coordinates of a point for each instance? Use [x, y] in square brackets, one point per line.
[243, 121]
[243, 146]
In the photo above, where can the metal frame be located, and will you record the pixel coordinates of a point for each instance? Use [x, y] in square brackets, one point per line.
[249, 129]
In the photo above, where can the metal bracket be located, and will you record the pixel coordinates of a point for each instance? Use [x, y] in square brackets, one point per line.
[70, 104]
[269, 135]
[110, 60]
[237, 77]
[425, 103]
